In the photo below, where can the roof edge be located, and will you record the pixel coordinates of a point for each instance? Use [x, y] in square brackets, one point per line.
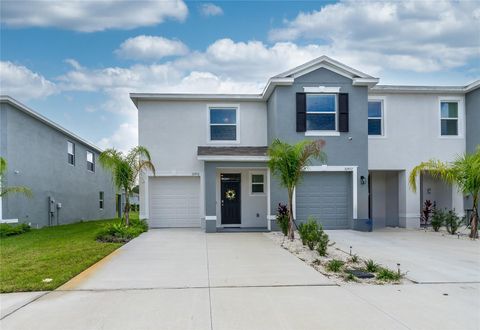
[22, 107]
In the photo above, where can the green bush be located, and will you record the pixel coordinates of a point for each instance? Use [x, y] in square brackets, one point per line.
[452, 222]
[387, 275]
[335, 265]
[117, 232]
[354, 258]
[438, 219]
[322, 242]
[283, 218]
[309, 233]
[350, 277]
[11, 230]
[371, 266]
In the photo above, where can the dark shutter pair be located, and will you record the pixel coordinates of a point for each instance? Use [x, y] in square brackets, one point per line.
[302, 112]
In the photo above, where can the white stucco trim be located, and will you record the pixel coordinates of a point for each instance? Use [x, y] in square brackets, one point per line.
[325, 168]
[9, 221]
[210, 217]
[322, 133]
[235, 106]
[234, 158]
[321, 89]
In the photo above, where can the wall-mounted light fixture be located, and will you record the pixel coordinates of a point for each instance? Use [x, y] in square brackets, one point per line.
[363, 180]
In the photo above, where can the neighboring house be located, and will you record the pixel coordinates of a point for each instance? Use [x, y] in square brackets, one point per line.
[209, 150]
[58, 166]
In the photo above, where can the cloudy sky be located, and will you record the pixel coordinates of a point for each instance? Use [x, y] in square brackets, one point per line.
[76, 61]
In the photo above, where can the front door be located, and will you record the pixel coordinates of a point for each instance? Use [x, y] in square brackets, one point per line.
[230, 199]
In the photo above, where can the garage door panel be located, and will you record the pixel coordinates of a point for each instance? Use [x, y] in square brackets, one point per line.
[325, 196]
[174, 202]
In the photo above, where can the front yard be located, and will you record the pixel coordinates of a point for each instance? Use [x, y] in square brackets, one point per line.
[46, 258]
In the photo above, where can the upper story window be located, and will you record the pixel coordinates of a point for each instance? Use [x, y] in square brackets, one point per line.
[90, 161]
[71, 152]
[375, 117]
[321, 112]
[257, 183]
[448, 118]
[223, 123]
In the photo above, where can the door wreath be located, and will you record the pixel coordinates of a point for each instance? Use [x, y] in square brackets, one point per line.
[230, 194]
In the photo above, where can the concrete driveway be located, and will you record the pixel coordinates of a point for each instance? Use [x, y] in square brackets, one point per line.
[186, 279]
[425, 257]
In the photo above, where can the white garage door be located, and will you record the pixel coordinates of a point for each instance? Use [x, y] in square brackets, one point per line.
[174, 202]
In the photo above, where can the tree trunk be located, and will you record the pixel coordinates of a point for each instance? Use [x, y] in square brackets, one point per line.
[474, 221]
[291, 233]
[127, 208]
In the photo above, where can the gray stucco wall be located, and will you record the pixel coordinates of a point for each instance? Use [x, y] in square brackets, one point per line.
[472, 106]
[339, 149]
[37, 158]
[251, 205]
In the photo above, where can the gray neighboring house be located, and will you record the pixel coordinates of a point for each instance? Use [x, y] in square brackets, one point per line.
[58, 166]
[209, 150]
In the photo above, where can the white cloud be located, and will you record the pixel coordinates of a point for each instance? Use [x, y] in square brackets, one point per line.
[150, 47]
[123, 139]
[20, 82]
[422, 36]
[91, 15]
[209, 9]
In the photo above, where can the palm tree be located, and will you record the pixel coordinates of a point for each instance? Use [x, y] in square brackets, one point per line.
[464, 171]
[126, 169]
[4, 191]
[287, 163]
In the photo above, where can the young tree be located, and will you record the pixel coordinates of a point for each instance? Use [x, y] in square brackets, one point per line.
[464, 171]
[287, 163]
[126, 169]
[4, 190]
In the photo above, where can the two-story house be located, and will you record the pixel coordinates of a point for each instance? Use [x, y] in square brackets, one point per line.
[210, 150]
[59, 167]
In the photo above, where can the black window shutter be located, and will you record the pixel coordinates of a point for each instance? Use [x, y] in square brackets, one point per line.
[343, 112]
[301, 112]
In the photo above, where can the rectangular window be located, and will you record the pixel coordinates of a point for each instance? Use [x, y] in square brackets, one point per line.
[321, 112]
[71, 152]
[375, 118]
[258, 183]
[223, 124]
[100, 199]
[449, 118]
[90, 161]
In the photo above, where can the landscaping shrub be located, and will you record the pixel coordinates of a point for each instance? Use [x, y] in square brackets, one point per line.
[387, 275]
[117, 232]
[309, 233]
[452, 222]
[426, 212]
[371, 266]
[11, 230]
[282, 218]
[350, 277]
[354, 258]
[335, 265]
[323, 240]
[438, 219]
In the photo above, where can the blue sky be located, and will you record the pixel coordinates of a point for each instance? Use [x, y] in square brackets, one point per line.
[76, 61]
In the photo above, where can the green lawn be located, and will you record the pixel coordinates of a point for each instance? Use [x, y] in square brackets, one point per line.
[58, 253]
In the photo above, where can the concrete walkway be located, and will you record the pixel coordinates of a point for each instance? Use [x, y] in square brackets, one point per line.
[185, 279]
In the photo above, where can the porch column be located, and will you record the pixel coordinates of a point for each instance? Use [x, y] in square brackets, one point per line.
[408, 202]
[210, 198]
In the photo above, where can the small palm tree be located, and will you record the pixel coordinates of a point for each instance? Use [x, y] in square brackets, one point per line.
[4, 190]
[126, 169]
[287, 163]
[464, 171]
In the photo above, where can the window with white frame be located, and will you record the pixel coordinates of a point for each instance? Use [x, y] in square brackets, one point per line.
[448, 118]
[257, 183]
[101, 199]
[321, 112]
[90, 161]
[71, 153]
[223, 124]
[375, 117]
